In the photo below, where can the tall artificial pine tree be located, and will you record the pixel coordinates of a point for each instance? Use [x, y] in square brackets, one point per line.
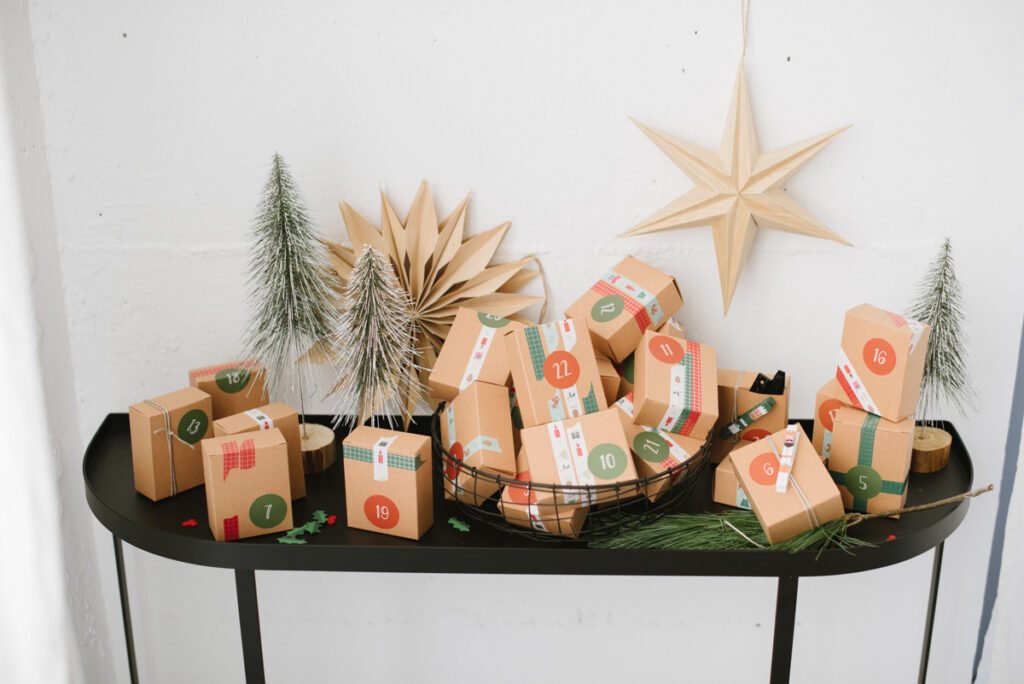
[939, 303]
[292, 288]
[374, 343]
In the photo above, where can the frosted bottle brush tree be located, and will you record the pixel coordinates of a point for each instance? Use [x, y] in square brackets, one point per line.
[374, 343]
[291, 286]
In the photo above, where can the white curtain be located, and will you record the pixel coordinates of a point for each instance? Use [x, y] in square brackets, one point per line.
[1003, 657]
[36, 641]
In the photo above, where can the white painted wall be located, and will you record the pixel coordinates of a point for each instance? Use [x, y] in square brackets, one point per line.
[160, 119]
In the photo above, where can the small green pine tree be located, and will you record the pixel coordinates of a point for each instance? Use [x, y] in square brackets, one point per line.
[373, 342]
[292, 288]
[939, 303]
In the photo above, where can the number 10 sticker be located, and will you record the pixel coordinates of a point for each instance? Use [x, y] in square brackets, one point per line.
[607, 461]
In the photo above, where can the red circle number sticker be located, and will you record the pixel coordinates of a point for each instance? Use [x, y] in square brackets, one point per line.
[451, 466]
[765, 469]
[825, 412]
[879, 356]
[521, 495]
[666, 349]
[381, 511]
[561, 369]
[754, 434]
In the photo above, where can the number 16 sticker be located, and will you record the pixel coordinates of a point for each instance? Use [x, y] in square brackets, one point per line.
[879, 356]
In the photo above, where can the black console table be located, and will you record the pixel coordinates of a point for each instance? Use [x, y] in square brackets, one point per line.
[156, 527]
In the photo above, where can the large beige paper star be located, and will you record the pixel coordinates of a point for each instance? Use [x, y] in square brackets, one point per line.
[736, 191]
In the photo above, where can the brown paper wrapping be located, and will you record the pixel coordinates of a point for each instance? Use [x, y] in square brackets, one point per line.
[189, 412]
[285, 419]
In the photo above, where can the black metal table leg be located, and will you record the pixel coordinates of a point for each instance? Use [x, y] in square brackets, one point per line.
[249, 623]
[929, 622]
[126, 613]
[785, 624]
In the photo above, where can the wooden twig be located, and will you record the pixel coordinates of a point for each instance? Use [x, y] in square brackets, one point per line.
[857, 518]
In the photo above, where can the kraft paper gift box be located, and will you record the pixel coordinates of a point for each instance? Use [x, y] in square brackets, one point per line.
[811, 499]
[580, 452]
[726, 489]
[676, 385]
[623, 304]
[672, 328]
[275, 415]
[829, 399]
[655, 451]
[745, 415]
[881, 361]
[476, 429]
[518, 504]
[554, 371]
[610, 379]
[247, 489]
[472, 351]
[388, 482]
[234, 386]
[165, 436]
[870, 460]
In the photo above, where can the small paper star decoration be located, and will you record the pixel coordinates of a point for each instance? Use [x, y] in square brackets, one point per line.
[737, 190]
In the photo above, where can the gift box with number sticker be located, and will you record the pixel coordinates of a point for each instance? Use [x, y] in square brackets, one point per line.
[829, 399]
[881, 361]
[388, 482]
[555, 372]
[233, 386]
[518, 504]
[747, 412]
[247, 488]
[627, 368]
[476, 429]
[275, 415]
[676, 385]
[725, 488]
[473, 350]
[165, 435]
[623, 304]
[870, 460]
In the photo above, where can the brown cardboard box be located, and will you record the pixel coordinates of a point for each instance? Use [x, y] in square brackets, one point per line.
[476, 428]
[784, 515]
[829, 399]
[234, 386]
[676, 385]
[655, 451]
[554, 371]
[734, 400]
[610, 379]
[275, 415]
[623, 304]
[672, 328]
[165, 435]
[519, 506]
[247, 490]
[590, 450]
[870, 460]
[881, 361]
[472, 351]
[387, 482]
[725, 488]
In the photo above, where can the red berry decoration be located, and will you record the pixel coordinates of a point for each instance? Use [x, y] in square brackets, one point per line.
[331, 519]
[191, 522]
[890, 537]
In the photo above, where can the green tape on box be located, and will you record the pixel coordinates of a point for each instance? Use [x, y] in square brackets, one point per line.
[867, 483]
[355, 453]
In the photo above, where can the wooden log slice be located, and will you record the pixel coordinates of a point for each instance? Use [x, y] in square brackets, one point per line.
[931, 449]
[317, 447]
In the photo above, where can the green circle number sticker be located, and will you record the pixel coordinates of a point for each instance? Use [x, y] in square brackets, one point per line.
[628, 367]
[192, 426]
[864, 482]
[268, 511]
[607, 461]
[232, 380]
[650, 446]
[607, 308]
[492, 321]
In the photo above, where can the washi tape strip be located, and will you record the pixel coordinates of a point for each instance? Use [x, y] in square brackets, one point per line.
[747, 419]
[570, 450]
[812, 517]
[262, 419]
[477, 356]
[685, 393]
[787, 458]
[641, 304]
[851, 383]
[380, 458]
[916, 327]
[240, 457]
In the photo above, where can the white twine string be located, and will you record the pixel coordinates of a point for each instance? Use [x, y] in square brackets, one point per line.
[170, 441]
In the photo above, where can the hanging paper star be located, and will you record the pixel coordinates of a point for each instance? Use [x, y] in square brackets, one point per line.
[737, 190]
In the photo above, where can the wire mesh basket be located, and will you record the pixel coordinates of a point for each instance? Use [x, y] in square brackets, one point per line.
[556, 512]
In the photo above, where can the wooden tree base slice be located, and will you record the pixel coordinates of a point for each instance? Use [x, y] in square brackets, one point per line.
[931, 449]
[317, 447]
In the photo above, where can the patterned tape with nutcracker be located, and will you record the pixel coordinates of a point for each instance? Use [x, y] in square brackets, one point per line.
[392, 460]
[865, 483]
[569, 448]
[477, 355]
[685, 393]
[747, 419]
[851, 383]
[641, 304]
[812, 517]
[568, 402]
[262, 419]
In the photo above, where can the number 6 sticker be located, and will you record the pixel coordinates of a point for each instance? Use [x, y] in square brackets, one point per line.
[765, 469]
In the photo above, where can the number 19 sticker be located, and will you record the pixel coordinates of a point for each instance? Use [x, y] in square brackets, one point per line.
[381, 511]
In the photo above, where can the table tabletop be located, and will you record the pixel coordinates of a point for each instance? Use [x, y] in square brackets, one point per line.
[157, 527]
